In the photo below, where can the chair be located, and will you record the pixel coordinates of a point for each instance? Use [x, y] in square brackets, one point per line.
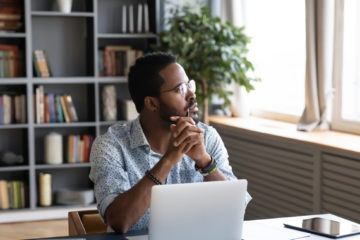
[85, 222]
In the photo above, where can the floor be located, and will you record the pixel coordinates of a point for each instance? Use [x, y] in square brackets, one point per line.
[37, 229]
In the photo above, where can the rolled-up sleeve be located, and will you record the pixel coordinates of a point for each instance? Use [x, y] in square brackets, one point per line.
[107, 173]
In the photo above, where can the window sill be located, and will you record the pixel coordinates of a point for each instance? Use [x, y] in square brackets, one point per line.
[329, 139]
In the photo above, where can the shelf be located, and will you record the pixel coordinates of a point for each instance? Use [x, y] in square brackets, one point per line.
[7, 81]
[12, 35]
[64, 125]
[62, 80]
[14, 126]
[127, 35]
[13, 168]
[60, 14]
[119, 79]
[61, 166]
[109, 123]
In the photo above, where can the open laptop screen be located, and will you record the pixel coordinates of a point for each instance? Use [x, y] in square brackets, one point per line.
[208, 210]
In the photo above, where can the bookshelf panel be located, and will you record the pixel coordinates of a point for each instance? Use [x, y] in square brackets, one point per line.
[76, 178]
[82, 97]
[51, 5]
[14, 141]
[138, 44]
[65, 132]
[68, 44]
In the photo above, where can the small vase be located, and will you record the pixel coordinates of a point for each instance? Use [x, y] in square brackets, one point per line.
[241, 108]
[64, 5]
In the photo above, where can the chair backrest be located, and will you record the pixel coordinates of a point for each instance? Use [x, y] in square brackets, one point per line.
[85, 222]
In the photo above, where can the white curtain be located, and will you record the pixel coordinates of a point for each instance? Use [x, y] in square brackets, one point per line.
[319, 64]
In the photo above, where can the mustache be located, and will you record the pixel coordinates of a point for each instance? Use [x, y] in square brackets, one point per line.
[192, 102]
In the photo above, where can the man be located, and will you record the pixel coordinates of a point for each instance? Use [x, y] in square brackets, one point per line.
[164, 145]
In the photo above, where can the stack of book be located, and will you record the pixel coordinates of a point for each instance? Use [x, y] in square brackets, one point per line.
[10, 15]
[117, 60]
[12, 108]
[41, 64]
[12, 194]
[78, 148]
[52, 108]
[11, 61]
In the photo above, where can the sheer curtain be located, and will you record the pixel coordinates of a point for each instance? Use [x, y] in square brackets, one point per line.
[320, 16]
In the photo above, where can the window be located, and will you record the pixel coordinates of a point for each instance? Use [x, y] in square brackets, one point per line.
[277, 50]
[347, 101]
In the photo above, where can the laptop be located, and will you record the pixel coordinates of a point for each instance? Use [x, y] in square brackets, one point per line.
[193, 211]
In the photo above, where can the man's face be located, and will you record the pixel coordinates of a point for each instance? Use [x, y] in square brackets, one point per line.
[173, 101]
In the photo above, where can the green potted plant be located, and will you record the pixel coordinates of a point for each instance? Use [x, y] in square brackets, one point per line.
[212, 52]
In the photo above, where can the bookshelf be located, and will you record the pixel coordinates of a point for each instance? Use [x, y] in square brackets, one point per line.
[72, 42]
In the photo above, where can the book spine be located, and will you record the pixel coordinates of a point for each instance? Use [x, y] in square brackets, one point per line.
[1, 110]
[7, 109]
[59, 112]
[131, 19]
[4, 196]
[64, 108]
[23, 108]
[72, 109]
[124, 18]
[146, 17]
[51, 104]
[139, 20]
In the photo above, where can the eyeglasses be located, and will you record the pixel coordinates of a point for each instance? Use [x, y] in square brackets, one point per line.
[183, 88]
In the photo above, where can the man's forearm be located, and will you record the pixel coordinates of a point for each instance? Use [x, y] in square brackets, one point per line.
[130, 206]
[217, 175]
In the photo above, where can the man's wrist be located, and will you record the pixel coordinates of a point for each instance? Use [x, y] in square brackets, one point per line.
[210, 168]
[204, 162]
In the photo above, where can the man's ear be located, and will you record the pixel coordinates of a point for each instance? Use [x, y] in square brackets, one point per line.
[151, 103]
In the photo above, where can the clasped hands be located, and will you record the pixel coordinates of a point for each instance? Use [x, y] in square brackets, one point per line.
[187, 138]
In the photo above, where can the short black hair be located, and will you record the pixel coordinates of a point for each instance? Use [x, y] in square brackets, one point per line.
[144, 79]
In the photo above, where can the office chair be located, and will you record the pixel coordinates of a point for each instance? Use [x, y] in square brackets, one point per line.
[85, 222]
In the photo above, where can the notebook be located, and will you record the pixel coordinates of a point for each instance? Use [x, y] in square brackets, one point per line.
[193, 211]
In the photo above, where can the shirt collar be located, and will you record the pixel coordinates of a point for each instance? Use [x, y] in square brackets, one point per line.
[137, 138]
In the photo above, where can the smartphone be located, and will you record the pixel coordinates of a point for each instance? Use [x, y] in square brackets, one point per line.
[326, 227]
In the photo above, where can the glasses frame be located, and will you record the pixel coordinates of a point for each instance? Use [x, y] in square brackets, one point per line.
[183, 87]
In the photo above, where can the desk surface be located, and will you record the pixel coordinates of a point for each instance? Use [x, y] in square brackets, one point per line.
[271, 229]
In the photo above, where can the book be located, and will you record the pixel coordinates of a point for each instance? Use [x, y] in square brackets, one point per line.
[46, 109]
[51, 107]
[59, 111]
[41, 64]
[40, 106]
[4, 196]
[146, 18]
[131, 19]
[18, 109]
[124, 18]
[1, 110]
[10, 25]
[80, 151]
[139, 19]
[72, 110]
[64, 108]
[88, 140]
[7, 109]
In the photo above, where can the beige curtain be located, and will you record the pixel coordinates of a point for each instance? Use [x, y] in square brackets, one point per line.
[234, 11]
[319, 64]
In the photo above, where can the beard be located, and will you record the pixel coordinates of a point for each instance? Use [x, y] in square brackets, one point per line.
[167, 111]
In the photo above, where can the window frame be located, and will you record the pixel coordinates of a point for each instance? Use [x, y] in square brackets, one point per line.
[337, 122]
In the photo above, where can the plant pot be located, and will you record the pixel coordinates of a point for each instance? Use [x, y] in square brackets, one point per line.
[64, 5]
